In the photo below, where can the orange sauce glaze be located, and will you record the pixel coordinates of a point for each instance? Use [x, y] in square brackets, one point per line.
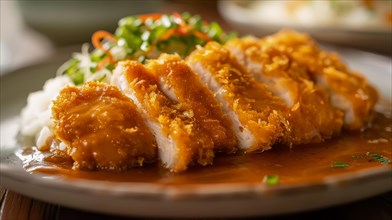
[300, 164]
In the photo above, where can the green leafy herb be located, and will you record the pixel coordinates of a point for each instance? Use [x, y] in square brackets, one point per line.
[271, 180]
[339, 165]
[379, 158]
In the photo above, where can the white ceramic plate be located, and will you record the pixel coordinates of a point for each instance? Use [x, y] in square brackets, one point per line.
[157, 200]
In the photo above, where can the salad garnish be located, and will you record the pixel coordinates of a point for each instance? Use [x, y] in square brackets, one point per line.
[140, 38]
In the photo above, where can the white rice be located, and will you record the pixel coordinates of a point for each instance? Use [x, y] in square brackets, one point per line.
[35, 117]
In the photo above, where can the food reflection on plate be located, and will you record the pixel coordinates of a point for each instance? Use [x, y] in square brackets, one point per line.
[175, 95]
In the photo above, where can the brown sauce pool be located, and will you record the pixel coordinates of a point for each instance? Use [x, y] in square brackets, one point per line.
[300, 164]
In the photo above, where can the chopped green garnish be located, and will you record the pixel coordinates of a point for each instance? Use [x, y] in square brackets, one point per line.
[339, 165]
[74, 72]
[143, 37]
[379, 158]
[271, 180]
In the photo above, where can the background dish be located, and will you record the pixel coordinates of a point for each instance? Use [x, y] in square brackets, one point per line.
[212, 200]
[247, 20]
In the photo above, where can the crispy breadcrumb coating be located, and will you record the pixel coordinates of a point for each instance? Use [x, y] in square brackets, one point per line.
[194, 95]
[102, 128]
[348, 90]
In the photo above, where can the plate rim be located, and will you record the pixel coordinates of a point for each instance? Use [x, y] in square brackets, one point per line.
[202, 191]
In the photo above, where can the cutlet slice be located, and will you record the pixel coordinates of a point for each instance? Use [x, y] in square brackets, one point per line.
[312, 117]
[253, 110]
[179, 143]
[102, 128]
[177, 79]
[348, 91]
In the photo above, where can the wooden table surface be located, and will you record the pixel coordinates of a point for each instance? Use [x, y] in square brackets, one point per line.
[19, 207]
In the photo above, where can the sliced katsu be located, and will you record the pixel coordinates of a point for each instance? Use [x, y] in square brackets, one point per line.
[256, 113]
[348, 91]
[180, 137]
[312, 117]
[101, 128]
[177, 90]
[185, 86]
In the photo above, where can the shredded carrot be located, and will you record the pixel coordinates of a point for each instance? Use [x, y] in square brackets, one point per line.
[184, 29]
[96, 40]
[202, 36]
[154, 16]
[98, 36]
[167, 35]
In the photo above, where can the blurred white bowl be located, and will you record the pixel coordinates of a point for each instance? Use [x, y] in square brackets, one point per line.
[251, 17]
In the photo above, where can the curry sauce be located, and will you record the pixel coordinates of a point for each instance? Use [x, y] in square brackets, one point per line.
[300, 164]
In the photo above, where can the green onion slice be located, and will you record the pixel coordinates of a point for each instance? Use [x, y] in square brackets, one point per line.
[271, 180]
[339, 165]
[380, 158]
